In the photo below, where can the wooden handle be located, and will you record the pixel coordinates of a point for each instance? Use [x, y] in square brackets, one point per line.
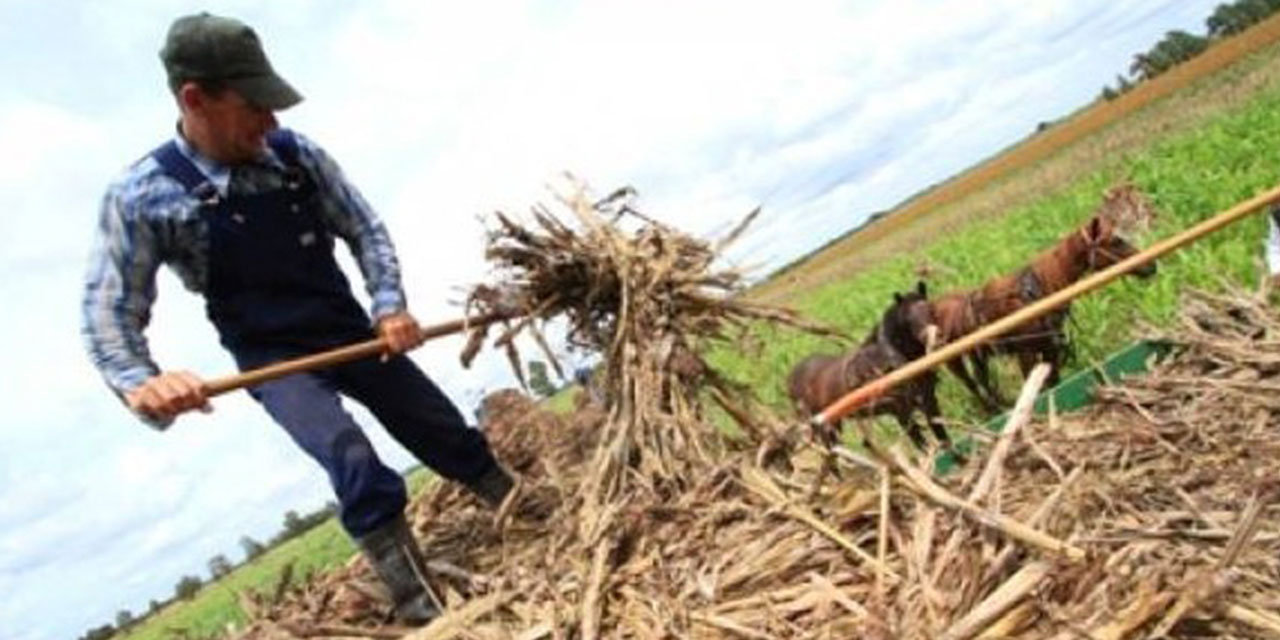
[349, 353]
[874, 389]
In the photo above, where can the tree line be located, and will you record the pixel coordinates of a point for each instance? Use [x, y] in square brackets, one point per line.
[1178, 46]
[219, 566]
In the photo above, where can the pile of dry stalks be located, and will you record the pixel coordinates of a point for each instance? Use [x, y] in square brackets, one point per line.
[647, 297]
[1150, 515]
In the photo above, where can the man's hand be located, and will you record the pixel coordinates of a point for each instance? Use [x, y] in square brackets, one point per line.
[400, 331]
[165, 396]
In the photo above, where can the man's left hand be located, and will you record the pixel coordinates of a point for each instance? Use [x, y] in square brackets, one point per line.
[400, 331]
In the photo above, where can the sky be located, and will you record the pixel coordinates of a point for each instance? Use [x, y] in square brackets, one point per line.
[441, 113]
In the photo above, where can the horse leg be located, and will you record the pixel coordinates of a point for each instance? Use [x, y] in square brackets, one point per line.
[927, 399]
[960, 371]
[1052, 354]
[907, 422]
[980, 358]
[1027, 360]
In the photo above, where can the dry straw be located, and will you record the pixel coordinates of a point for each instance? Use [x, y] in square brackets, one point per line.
[1150, 515]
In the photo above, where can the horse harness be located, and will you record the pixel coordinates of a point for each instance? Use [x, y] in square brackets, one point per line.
[1030, 288]
[1096, 249]
[849, 376]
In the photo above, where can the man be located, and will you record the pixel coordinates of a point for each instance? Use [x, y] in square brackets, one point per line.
[246, 214]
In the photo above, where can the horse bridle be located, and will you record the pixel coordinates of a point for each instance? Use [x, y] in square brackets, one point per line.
[1096, 249]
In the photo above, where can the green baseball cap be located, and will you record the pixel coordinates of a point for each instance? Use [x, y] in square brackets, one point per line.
[204, 47]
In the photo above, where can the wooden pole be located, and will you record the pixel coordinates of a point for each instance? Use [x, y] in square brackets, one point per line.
[349, 353]
[876, 388]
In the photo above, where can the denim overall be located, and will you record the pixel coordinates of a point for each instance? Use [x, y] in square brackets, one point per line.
[275, 291]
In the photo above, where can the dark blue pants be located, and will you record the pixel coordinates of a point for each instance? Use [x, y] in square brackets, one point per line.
[405, 401]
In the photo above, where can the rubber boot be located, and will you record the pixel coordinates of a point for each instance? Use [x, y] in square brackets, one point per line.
[398, 561]
[493, 486]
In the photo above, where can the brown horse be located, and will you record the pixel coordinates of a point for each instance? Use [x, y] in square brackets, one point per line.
[819, 380]
[1093, 247]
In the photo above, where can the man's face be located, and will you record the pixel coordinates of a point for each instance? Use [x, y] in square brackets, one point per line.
[236, 130]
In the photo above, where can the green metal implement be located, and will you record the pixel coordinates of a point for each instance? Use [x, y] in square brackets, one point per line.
[1075, 392]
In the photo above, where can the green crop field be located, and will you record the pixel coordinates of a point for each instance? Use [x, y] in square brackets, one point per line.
[216, 605]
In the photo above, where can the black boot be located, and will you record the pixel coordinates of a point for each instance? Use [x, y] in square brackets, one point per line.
[493, 486]
[396, 558]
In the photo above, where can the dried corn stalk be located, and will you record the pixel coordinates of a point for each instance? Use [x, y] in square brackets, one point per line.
[1153, 514]
[648, 300]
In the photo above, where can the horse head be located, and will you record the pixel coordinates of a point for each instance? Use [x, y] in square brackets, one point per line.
[1102, 247]
[909, 325]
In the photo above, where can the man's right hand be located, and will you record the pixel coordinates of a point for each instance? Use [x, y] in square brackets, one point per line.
[169, 394]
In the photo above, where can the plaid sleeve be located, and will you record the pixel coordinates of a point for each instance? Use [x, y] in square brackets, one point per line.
[353, 220]
[119, 289]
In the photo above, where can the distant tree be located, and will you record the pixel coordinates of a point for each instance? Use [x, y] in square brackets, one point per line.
[186, 587]
[1173, 49]
[1123, 85]
[154, 606]
[1180, 46]
[252, 548]
[219, 566]
[1256, 10]
[124, 618]
[1225, 20]
[296, 525]
[1231, 18]
[1261, 9]
[99, 633]
[317, 517]
[539, 383]
[1145, 67]
[293, 524]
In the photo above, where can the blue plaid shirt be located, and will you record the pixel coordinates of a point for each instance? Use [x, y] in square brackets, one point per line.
[148, 219]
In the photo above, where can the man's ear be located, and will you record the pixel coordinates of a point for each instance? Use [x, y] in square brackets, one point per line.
[191, 97]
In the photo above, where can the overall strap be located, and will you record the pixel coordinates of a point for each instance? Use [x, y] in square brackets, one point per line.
[180, 168]
[285, 145]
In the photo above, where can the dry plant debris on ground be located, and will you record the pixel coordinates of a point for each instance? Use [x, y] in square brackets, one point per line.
[1152, 514]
